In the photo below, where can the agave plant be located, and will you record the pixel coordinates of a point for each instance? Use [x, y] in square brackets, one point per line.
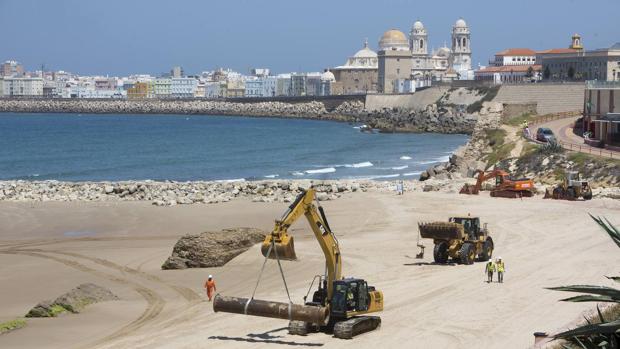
[552, 147]
[605, 334]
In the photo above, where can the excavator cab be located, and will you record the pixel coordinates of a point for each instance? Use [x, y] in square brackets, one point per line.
[350, 295]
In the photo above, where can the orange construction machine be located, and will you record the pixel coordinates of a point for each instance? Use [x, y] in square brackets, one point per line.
[505, 186]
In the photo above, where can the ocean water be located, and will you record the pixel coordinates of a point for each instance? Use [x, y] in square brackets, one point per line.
[76, 147]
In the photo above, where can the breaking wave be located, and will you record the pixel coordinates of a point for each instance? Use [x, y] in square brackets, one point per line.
[321, 170]
[360, 164]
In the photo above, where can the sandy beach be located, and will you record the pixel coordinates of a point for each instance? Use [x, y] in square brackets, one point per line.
[47, 248]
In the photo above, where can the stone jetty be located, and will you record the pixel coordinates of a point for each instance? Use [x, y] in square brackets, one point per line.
[430, 118]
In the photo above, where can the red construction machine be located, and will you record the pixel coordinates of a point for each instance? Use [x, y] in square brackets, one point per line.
[505, 186]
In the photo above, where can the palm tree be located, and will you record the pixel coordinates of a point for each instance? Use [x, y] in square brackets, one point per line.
[605, 334]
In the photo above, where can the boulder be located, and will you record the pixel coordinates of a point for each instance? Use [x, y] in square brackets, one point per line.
[73, 301]
[212, 249]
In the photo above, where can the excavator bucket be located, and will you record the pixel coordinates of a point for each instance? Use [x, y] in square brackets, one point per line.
[282, 248]
[468, 189]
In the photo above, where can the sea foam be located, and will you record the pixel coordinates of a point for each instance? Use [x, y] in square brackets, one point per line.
[321, 170]
[360, 164]
[400, 167]
[408, 174]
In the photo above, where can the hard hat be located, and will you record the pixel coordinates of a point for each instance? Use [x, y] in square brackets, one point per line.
[499, 257]
[210, 276]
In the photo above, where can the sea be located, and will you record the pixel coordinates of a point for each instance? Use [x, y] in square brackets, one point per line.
[94, 147]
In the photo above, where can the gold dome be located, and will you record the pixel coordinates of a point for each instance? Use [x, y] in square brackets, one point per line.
[393, 39]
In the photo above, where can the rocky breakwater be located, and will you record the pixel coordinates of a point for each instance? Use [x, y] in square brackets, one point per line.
[155, 106]
[431, 118]
[176, 193]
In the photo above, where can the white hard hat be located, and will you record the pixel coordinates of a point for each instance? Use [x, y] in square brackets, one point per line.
[210, 276]
[497, 258]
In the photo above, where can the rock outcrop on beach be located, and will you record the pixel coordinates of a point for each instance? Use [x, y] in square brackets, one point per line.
[469, 158]
[212, 249]
[73, 301]
[442, 119]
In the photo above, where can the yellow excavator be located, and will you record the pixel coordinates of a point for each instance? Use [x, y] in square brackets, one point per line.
[339, 304]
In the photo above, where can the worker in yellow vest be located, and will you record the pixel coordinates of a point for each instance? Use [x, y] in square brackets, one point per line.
[490, 270]
[501, 268]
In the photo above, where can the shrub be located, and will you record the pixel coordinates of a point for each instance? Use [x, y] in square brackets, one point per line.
[605, 333]
[12, 325]
[489, 95]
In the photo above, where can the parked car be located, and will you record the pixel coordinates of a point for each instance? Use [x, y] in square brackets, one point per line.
[544, 134]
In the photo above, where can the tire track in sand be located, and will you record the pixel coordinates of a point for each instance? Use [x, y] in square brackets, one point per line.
[155, 303]
[189, 295]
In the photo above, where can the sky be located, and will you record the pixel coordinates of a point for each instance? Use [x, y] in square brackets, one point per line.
[120, 37]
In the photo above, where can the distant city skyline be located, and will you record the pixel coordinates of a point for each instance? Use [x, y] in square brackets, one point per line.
[140, 37]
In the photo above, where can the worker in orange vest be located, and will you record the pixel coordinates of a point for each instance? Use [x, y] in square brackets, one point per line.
[210, 287]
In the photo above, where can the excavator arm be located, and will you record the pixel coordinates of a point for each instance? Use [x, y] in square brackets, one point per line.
[280, 243]
[346, 300]
[482, 177]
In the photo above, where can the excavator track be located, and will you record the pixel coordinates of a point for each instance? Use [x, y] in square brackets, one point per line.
[301, 328]
[348, 329]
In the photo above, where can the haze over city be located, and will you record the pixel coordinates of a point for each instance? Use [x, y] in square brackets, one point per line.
[124, 37]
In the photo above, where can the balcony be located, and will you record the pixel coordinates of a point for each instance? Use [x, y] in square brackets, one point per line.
[598, 84]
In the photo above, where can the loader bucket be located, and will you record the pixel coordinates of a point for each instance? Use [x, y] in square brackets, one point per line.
[441, 231]
[283, 247]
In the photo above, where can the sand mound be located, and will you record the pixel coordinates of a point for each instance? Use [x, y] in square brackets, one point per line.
[212, 249]
[73, 301]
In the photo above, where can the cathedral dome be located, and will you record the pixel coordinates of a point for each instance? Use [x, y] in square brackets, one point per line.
[460, 23]
[393, 39]
[365, 52]
[328, 76]
[418, 25]
[443, 52]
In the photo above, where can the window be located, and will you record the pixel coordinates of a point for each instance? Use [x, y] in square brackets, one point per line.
[397, 70]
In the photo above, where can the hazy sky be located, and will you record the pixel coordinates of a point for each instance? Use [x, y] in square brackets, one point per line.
[118, 37]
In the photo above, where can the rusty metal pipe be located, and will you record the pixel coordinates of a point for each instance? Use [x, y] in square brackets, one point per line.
[278, 310]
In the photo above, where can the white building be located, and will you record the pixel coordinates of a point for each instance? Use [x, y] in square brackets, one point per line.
[270, 86]
[213, 89]
[201, 90]
[161, 88]
[313, 84]
[283, 85]
[327, 79]
[254, 87]
[22, 87]
[514, 56]
[183, 87]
